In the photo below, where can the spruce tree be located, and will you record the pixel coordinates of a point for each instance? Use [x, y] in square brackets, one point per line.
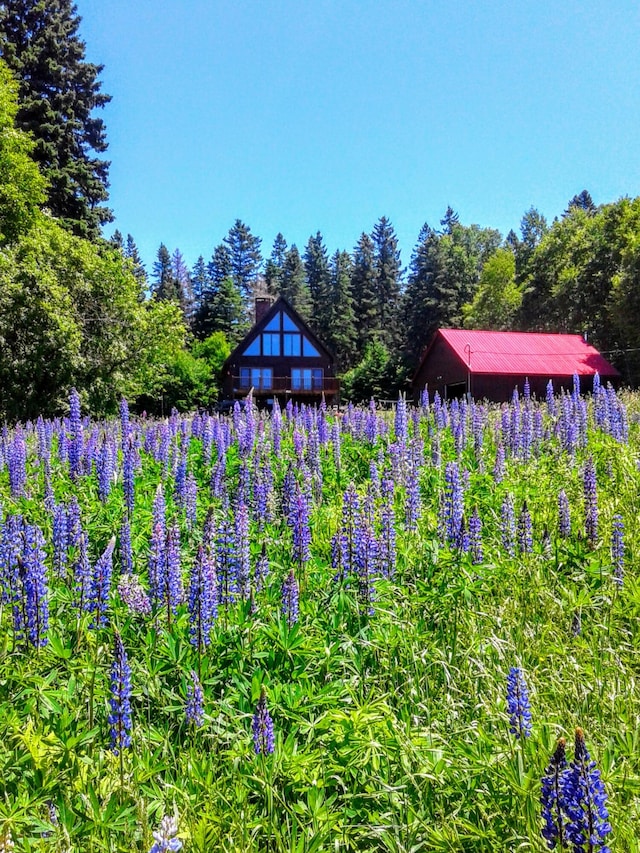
[219, 266]
[200, 282]
[363, 285]
[316, 266]
[275, 265]
[388, 275]
[182, 278]
[165, 286]
[246, 259]
[131, 252]
[342, 335]
[294, 285]
[58, 93]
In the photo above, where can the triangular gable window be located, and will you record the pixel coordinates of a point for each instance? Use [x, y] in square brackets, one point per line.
[274, 323]
[287, 323]
[253, 348]
[308, 348]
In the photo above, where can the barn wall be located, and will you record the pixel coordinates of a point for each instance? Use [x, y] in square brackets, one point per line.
[440, 368]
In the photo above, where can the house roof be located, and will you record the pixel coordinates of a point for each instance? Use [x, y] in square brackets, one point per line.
[525, 353]
[280, 304]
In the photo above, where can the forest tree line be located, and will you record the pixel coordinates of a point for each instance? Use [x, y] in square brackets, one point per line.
[79, 309]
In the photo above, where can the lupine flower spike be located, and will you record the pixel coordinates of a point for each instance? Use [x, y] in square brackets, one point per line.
[585, 802]
[165, 836]
[551, 798]
[195, 701]
[518, 703]
[263, 738]
[120, 717]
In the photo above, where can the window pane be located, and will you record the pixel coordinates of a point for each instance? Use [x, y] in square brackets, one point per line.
[287, 323]
[271, 344]
[317, 378]
[267, 377]
[296, 378]
[245, 376]
[308, 348]
[292, 344]
[253, 348]
[274, 324]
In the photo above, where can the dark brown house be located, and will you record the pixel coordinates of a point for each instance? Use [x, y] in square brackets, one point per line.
[280, 358]
[489, 365]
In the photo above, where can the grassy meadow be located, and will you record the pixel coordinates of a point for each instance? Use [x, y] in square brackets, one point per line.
[374, 575]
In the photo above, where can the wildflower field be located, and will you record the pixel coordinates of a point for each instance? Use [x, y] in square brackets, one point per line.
[313, 630]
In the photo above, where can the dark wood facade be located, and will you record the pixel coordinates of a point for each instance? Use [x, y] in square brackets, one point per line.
[280, 358]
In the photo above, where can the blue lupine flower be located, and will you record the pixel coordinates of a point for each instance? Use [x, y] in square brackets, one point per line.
[475, 537]
[401, 423]
[106, 464]
[290, 599]
[591, 503]
[518, 704]
[261, 570]
[413, 499]
[165, 840]
[263, 737]
[120, 702]
[100, 586]
[194, 710]
[585, 802]
[134, 595]
[508, 526]
[387, 551]
[172, 592]
[76, 436]
[60, 539]
[126, 554]
[525, 530]
[301, 529]
[617, 549]
[552, 798]
[35, 586]
[191, 499]
[564, 514]
[128, 471]
[203, 608]
[82, 573]
[16, 463]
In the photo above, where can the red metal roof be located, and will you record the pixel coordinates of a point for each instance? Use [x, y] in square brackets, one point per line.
[526, 353]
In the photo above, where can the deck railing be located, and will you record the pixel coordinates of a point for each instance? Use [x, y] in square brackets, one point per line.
[283, 384]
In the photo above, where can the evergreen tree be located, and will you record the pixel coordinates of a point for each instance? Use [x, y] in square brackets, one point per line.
[117, 240]
[365, 296]
[423, 267]
[246, 259]
[294, 285]
[131, 252]
[388, 274]
[58, 93]
[180, 272]
[342, 335]
[275, 266]
[219, 266]
[200, 282]
[165, 286]
[449, 220]
[222, 310]
[316, 267]
[583, 201]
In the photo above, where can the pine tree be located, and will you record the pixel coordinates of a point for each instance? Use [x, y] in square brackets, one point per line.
[219, 266]
[165, 286]
[117, 240]
[449, 220]
[342, 336]
[294, 285]
[418, 320]
[131, 252]
[180, 272]
[388, 274]
[58, 93]
[316, 267]
[363, 286]
[583, 201]
[275, 266]
[246, 259]
[200, 282]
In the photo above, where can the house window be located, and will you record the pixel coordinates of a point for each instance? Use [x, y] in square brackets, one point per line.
[270, 344]
[287, 323]
[292, 344]
[307, 378]
[274, 324]
[308, 348]
[260, 378]
[253, 348]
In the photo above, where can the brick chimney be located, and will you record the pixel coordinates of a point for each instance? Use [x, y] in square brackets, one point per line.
[262, 305]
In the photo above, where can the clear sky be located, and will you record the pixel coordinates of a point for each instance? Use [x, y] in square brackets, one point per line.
[299, 115]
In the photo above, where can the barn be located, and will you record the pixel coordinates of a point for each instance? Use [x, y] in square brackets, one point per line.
[280, 358]
[489, 365]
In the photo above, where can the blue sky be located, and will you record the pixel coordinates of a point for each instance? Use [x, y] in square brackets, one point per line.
[299, 116]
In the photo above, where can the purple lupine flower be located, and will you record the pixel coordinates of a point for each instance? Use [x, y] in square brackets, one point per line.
[335, 442]
[564, 514]
[552, 798]
[301, 530]
[617, 549]
[261, 570]
[585, 802]
[172, 593]
[453, 509]
[525, 530]
[498, 467]
[226, 560]
[191, 500]
[345, 557]
[100, 585]
[591, 503]
[17, 464]
[165, 836]
[120, 702]
[550, 400]
[134, 595]
[242, 554]
[475, 537]
[74, 523]
[128, 471]
[290, 599]
[508, 526]
[82, 573]
[366, 565]
[387, 545]
[60, 539]
[123, 410]
[126, 553]
[35, 586]
[106, 464]
[203, 607]
[76, 435]
[401, 425]
[413, 502]
[518, 704]
[194, 710]
[263, 737]
[181, 479]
